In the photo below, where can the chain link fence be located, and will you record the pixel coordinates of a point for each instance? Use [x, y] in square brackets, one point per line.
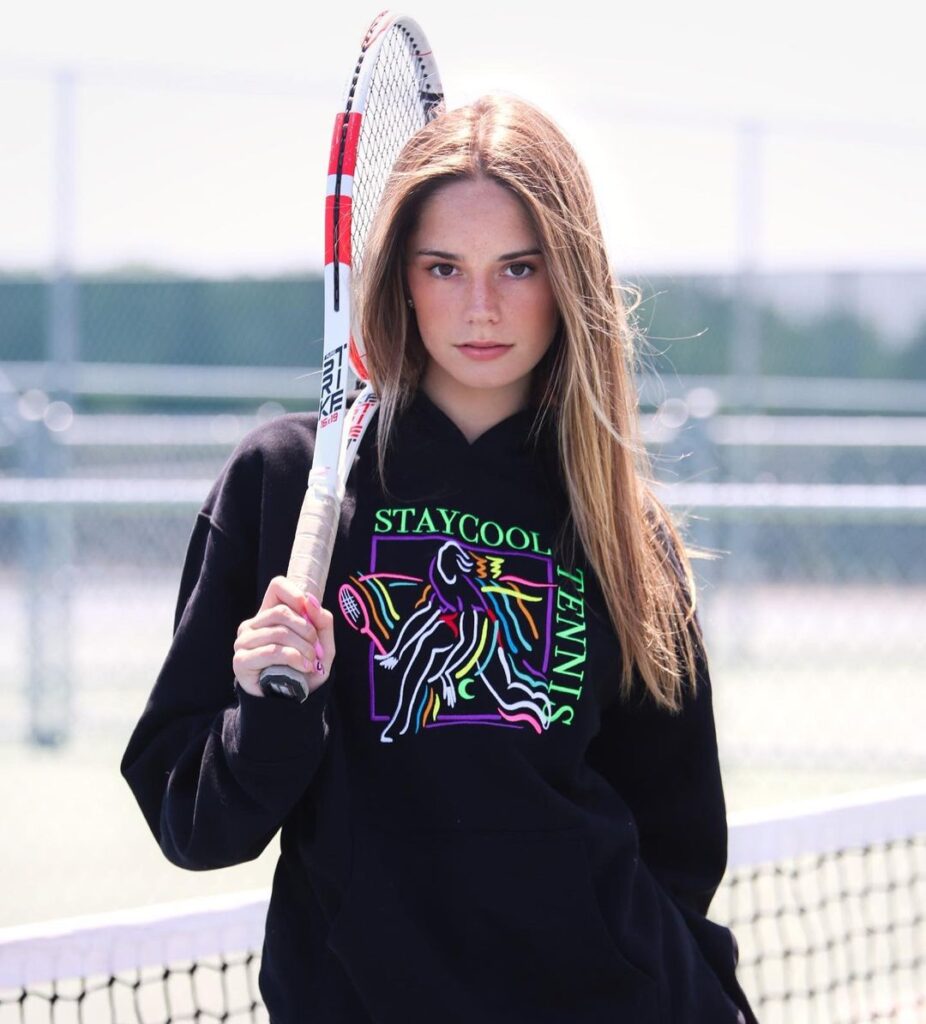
[812, 603]
[799, 461]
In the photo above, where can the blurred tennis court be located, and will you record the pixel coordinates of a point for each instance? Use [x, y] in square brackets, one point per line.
[789, 413]
[825, 898]
[812, 620]
[803, 723]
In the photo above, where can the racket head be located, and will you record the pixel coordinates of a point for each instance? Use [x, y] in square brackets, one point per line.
[395, 90]
[353, 607]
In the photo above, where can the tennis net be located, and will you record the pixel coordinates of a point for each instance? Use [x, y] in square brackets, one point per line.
[827, 900]
[196, 960]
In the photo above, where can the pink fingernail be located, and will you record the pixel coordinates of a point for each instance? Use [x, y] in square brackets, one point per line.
[319, 650]
[314, 600]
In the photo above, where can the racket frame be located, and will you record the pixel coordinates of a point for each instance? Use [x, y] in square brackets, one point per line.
[337, 441]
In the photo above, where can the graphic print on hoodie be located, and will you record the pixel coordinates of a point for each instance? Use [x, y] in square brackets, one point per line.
[469, 622]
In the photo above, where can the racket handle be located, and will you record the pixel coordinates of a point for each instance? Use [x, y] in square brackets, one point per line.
[308, 567]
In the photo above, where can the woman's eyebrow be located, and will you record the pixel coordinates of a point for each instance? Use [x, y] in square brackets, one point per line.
[441, 255]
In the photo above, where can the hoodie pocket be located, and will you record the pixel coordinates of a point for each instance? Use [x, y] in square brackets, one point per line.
[488, 926]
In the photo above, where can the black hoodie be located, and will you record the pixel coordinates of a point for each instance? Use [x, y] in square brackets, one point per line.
[475, 830]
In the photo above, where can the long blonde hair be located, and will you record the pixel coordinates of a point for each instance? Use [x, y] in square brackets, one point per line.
[586, 381]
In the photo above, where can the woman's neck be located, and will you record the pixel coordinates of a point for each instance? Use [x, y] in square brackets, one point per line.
[475, 411]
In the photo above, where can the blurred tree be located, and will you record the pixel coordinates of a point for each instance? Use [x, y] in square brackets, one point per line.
[687, 327]
[835, 344]
[911, 363]
[156, 317]
[237, 322]
[690, 329]
[23, 318]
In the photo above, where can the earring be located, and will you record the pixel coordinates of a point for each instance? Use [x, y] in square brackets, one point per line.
[411, 304]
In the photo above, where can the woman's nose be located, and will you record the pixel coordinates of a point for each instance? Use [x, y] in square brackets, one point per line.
[482, 304]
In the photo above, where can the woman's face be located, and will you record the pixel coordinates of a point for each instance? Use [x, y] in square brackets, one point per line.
[481, 294]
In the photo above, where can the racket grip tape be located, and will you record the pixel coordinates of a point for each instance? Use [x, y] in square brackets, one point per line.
[308, 568]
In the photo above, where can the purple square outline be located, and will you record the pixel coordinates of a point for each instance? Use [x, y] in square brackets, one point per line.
[454, 719]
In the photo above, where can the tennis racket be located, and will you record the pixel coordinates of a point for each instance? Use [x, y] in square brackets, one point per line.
[393, 92]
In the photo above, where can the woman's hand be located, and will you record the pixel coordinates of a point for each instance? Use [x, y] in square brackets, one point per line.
[288, 629]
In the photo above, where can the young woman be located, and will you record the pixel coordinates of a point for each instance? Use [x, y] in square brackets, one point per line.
[501, 801]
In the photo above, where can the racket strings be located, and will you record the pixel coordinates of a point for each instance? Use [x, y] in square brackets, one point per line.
[398, 105]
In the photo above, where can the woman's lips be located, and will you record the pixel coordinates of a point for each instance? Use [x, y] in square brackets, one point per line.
[482, 350]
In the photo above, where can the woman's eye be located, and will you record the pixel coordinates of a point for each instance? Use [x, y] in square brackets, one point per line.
[442, 270]
[520, 269]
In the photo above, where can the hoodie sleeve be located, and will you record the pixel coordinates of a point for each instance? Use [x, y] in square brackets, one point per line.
[214, 769]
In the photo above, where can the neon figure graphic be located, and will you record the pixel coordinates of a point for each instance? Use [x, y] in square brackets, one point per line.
[471, 636]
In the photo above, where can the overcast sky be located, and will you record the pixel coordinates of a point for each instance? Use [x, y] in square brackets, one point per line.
[201, 128]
